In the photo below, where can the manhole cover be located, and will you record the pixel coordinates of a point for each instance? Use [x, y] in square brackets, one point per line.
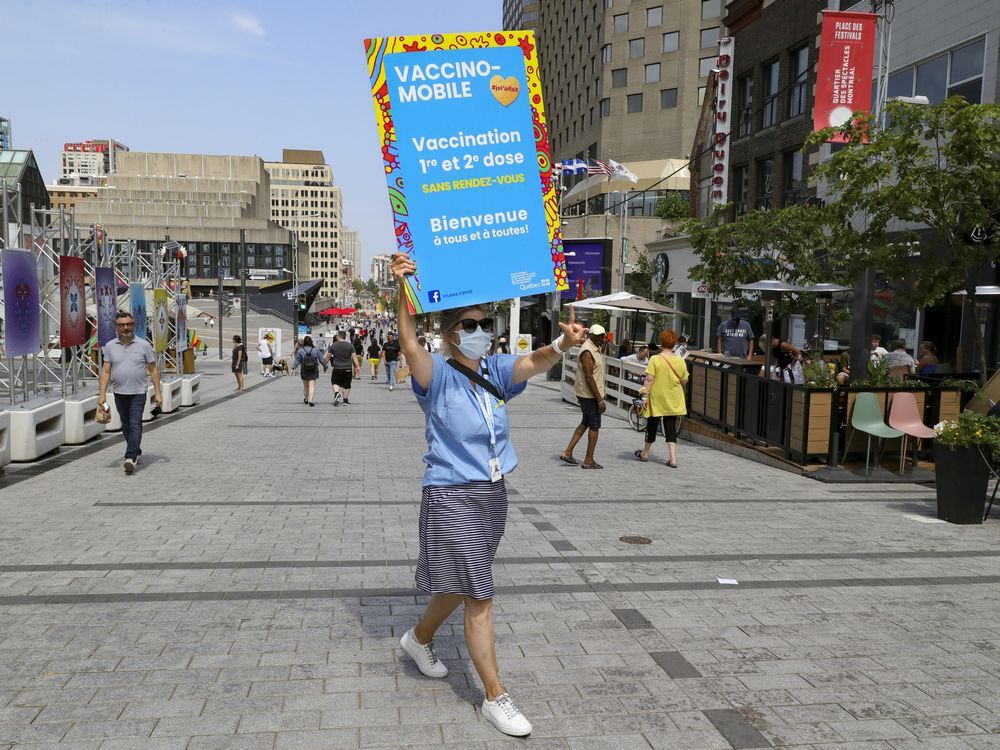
[635, 540]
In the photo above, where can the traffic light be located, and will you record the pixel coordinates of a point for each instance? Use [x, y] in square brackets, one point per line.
[302, 303]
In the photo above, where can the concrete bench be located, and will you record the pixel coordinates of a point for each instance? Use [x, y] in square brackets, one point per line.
[81, 420]
[190, 390]
[4, 438]
[171, 392]
[116, 421]
[36, 429]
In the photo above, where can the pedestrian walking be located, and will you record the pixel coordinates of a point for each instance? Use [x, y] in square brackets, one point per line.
[663, 389]
[239, 358]
[463, 507]
[309, 358]
[129, 365]
[390, 358]
[374, 359]
[266, 357]
[589, 391]
[345, 365]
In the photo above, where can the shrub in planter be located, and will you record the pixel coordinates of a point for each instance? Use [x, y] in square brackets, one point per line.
[964, 451]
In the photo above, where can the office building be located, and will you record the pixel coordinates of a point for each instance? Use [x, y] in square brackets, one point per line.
[520, 14]
[380, 271]
[350, 256]
[91, 158]
[201, 202]
[6, 142]
[305, 200]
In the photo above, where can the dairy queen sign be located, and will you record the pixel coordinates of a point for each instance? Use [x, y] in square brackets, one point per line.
[723, 117]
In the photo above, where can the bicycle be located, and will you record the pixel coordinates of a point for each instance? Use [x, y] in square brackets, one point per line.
[638, 421]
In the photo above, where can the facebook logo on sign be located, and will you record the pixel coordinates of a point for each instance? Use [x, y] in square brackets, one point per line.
[434, 296]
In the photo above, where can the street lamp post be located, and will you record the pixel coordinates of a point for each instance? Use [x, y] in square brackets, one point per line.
[295, 271]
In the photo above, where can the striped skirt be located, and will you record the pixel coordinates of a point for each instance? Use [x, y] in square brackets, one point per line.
[460, 530]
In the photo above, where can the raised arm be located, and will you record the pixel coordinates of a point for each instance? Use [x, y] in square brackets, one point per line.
[419, 359]
[542, 359]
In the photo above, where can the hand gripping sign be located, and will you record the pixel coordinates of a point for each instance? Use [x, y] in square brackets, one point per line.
[465, 148]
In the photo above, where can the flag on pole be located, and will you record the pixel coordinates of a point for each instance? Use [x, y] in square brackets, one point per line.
[599, 167]
[622, 172]
[574, 166]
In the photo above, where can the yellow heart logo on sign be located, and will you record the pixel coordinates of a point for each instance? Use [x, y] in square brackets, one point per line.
[505, 89]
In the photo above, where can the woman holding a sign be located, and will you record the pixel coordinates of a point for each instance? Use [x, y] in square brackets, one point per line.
[463, 508]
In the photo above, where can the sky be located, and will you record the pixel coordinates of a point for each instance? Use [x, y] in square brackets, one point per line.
[217, 77]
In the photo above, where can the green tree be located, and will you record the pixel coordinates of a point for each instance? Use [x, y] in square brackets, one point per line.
[673, 207]
[930, 175]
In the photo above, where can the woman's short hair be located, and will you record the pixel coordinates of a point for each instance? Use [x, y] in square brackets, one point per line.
[900, 344]
[237, 339]
[307, 341]
[668, 339]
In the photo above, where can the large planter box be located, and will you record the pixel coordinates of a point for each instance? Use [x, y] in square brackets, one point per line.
[810, 419]
[961, 480]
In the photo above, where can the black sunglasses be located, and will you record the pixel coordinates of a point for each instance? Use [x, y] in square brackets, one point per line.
[469, 325]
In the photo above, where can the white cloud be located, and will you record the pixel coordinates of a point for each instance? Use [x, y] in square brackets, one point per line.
[249, 24]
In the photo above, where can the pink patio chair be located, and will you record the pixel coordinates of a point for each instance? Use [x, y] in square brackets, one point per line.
[904, 416]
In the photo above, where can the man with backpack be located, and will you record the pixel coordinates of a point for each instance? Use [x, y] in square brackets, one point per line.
[309, 358]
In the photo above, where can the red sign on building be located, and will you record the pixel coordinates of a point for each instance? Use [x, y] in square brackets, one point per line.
[844, 78]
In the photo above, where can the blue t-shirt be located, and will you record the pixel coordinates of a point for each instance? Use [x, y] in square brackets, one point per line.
[736, 337]
[458, 439]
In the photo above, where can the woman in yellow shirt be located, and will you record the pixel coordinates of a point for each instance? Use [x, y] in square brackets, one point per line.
[666, 376]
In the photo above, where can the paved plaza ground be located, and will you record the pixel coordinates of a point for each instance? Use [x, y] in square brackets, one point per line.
[248, 586]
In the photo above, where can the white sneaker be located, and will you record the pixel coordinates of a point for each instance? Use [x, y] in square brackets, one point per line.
[423, 655]
[337, 398]
[390, 386]
[129, 466]
[504, 715]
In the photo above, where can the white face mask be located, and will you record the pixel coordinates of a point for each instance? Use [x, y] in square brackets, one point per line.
[474, 345]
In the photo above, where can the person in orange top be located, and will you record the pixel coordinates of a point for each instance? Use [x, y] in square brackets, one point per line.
[666, 376]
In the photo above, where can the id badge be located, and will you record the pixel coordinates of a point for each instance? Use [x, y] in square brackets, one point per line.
[495, 475]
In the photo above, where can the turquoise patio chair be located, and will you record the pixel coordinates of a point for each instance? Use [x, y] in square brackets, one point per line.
[867, 418]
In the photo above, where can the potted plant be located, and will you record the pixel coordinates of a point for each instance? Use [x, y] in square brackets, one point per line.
[964, 451]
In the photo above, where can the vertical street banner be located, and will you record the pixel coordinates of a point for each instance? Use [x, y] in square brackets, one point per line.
[137, 306]
[72, 302]
[180, 310]
[465, 149]
[844, 76]
[161, 321]
[106, 295]
[22, 314]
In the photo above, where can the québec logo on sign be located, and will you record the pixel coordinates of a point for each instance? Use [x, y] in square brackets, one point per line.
[434, 295]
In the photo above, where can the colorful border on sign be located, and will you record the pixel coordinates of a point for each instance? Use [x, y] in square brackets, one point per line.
[376, 50]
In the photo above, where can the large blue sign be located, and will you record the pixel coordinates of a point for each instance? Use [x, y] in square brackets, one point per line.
[588, 262]
[468, 151]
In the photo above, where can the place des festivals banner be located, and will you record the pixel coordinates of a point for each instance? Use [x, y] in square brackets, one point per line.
[107, 304]
[161, 321]
[180, 309]
[844, 76]
[22, 314]
[465, 147]
[72, 302]
[137, 306]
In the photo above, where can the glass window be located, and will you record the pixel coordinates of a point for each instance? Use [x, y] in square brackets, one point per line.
[798, 94]
[653, 73]
[932, 77]
[744, 103]
[606, 53]
[740, 189]
[701, 95]
[621, 23]
[765, 183]
[971, 90]
[770, 94]
[619, 78]
[636, 48]
[635, 103]
[705, 66]
[668, 98]
[605, 107]
[793, 177]
[654, 16]
[967, 62]
[900, 84]
[671, 40]
[710, 37]
[711, 9]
